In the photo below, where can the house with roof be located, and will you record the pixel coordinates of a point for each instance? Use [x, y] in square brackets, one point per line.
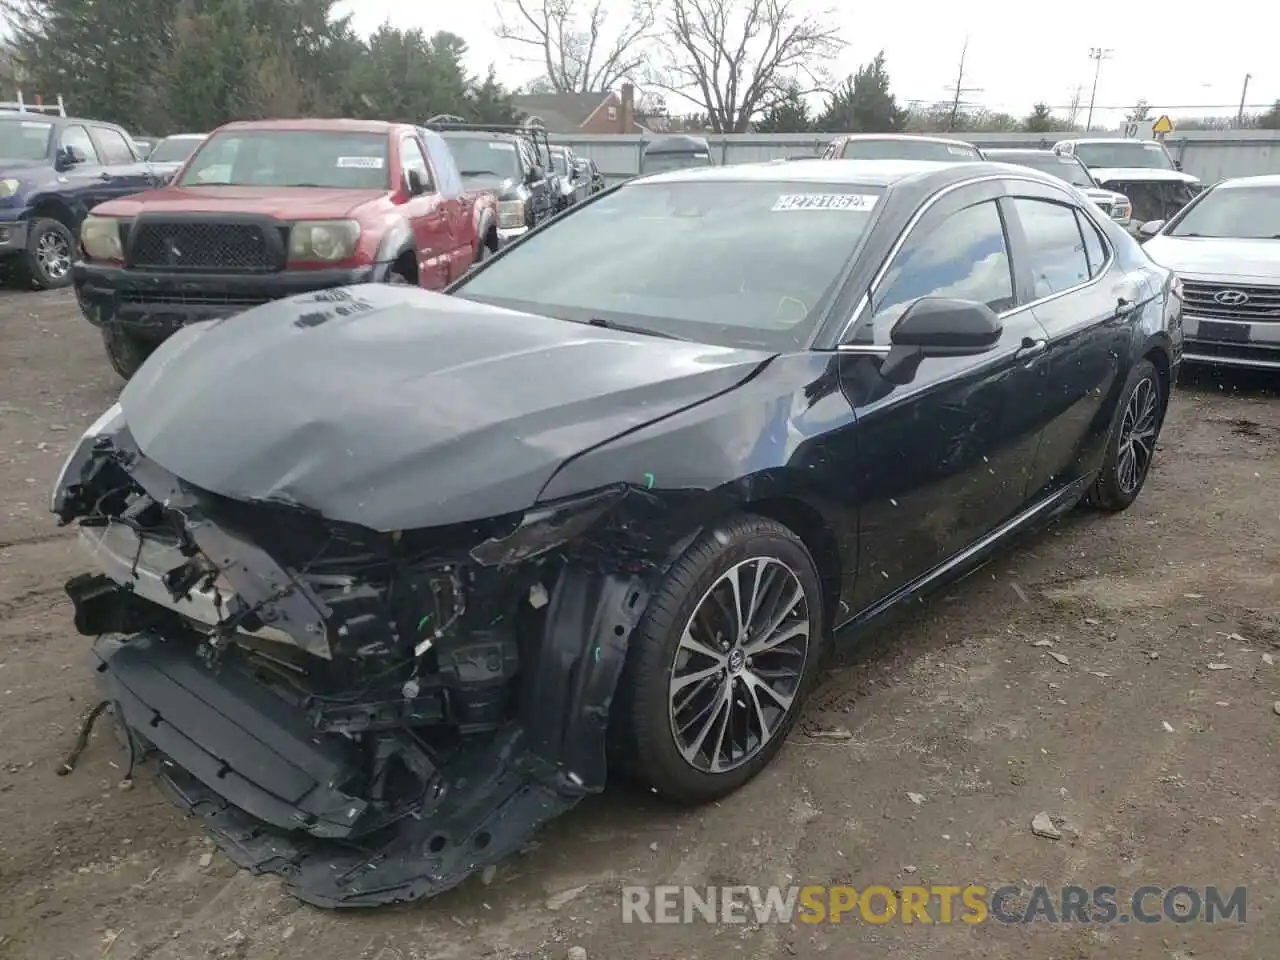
[570, 113]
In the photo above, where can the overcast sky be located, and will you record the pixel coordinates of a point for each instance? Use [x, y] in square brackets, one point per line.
[1176, 56]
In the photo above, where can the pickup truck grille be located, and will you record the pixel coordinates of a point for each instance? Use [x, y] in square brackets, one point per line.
[1259, 304]
[202, 246]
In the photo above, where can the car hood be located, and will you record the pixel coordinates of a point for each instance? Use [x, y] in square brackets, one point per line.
[285, 203]
[489, 184]
[1105, 175]
[1098, 195]
[19, 167]
[1210, 256]
[395, 408]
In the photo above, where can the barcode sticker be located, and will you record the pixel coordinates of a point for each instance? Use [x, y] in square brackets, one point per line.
[858, 202]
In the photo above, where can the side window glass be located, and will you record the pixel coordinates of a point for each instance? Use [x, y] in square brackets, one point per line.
[1055, 248]
[78, 137]
[112, 146]
[1094, 247]
[964, 257]
[412, 158]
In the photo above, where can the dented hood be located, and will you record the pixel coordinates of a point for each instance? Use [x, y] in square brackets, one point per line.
[1105, 175]
[395, 408]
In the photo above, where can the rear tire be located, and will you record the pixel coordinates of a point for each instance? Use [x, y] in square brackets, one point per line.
[1132, 443]
[695, 673]
[51, 249]
[126, 351]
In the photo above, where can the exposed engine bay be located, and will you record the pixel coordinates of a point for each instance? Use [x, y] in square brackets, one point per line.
[373, 716]
[1154, 199]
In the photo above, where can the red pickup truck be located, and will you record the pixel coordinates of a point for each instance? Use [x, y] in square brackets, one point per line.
[269, 208]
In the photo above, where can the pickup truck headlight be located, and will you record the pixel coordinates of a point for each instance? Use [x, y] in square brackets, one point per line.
[1121, 210]
[100, 238]
[328, 240]
[8, 188]
[511, 213]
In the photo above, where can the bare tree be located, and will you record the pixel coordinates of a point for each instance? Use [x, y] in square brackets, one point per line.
[1073, 107]
[737, 59]
[576, 41]
[958, 89]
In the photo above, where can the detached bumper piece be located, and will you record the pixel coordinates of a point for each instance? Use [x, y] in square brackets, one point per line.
[273, 791]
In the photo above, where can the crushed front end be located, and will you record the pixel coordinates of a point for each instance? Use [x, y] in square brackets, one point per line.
[1154, 199]
[371, 716]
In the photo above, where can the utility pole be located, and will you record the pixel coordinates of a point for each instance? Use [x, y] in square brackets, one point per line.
[1096, 54]
[959, 89]
[1244, 92]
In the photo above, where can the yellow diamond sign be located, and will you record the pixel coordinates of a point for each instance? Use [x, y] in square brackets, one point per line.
[1163, 125]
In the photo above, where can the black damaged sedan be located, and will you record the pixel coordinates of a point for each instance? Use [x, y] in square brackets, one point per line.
[386, 579]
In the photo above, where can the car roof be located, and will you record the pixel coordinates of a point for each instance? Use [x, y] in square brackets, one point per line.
[32, 117]
[476, 135]
[182, 136]
[335, 125]
[1027, 152]
[871, 173]
[909, 137]
[1259, 180]
[1109, 140]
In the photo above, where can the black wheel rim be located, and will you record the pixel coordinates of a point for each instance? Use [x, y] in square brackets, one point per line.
[1137, 435]
[738, 665]
[53, 254]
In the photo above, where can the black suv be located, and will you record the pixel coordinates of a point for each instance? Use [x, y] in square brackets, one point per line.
[514, 164]
[53, 170]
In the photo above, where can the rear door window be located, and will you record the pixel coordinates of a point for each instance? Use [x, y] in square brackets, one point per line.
[113, 148]
[1055, 251]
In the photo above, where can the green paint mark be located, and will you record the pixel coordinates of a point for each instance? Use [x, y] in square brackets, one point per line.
[648, 481]
[422, 624]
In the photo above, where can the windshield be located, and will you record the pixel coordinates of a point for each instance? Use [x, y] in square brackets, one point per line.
[1247, 213]
[891, 149]
[743, 264]
[1064, 168]
[1124, 153]
[174, 149]
[481, 157]
[658, 162]
[24, 139]
[558, 162]
[291, 158]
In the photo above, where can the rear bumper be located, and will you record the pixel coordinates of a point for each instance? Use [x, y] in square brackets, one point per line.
[156, 304]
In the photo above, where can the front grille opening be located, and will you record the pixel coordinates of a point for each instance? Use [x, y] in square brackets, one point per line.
[197, 246]
[1225, 301]
[162, 297]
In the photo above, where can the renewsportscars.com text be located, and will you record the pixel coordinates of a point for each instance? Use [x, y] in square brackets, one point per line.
[942, 904]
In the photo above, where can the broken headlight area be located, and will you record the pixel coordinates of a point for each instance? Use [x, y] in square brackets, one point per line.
[373, 716]
[1154, 199]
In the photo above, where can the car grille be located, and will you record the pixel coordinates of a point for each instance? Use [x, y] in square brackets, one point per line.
[1155, 199]
[192, 299]
[197, 245]
[1261, 304]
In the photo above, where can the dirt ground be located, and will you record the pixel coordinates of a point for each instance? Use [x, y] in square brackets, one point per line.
[1162, 769]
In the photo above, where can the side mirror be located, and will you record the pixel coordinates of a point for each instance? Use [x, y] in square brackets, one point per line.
[416, 182]
[939, 327]
[68, 157]
[1151, 228]
[535, 174]
[1177, 164]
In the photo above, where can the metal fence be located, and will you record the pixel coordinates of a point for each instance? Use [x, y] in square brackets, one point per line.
[1210, 155]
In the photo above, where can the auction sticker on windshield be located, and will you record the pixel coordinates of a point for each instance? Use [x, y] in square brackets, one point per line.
[825, 201]
[360, 163]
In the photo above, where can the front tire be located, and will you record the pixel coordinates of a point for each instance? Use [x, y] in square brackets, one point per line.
[721, 661]
[126, 351]
[1132, 444]
[50, 251]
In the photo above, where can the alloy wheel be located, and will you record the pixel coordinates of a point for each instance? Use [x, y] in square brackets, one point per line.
[739, 664]
[53, 253]
[1137, 435]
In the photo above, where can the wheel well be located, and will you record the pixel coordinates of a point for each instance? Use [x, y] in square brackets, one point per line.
[54, 210]
[407, 266]
[808, 524]
[491, 237]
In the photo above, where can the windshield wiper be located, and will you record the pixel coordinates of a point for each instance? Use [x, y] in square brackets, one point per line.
[627, 328]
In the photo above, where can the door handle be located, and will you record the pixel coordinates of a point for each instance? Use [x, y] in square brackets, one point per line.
[1031, 349]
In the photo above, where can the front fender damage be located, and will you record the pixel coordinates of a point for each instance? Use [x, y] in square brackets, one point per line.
[491, 796]
[301, 706]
